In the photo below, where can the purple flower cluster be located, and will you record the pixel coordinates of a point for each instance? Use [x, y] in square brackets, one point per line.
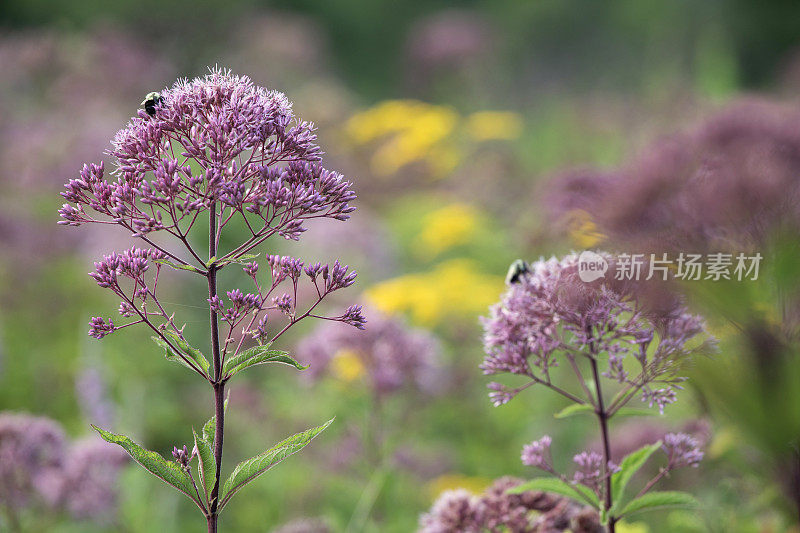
[590, 471]
[729, 184]
[496, 511]
[550, 316]
[537, 454]
[219, 144]
[682, 450]
[251, 156]
[392, 354]
[90, 479]
[39, 468]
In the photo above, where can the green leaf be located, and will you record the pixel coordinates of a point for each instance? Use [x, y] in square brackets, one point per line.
[207, 465]
[244, 258]
[192, 353]
[630, 464]
[178, 266]
[210, 262]
[653, 500]
[169, 353]
[210, 427]
[258, 355]
[575, 409]
[558, 486]
[585, 408]
[167, 471]
[248, 470]
[209, 430]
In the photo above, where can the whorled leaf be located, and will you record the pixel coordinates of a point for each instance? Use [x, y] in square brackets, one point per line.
[207, 465]
[210, 427]
[659, 499]
[584, 408]
[167, 471]
[177, 266]
[190, 352]
[169, 353]
[257, 355]
[248, 470]
[630, 464]
[558, 486]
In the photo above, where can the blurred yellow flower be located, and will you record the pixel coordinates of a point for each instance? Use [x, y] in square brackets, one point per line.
[445, 482]
[346, 365]
[724, 440]
[582, 229]
[453, 289]
[419, 132]
[447, 227]
[410, 131]
[494, 125]
[632, 527]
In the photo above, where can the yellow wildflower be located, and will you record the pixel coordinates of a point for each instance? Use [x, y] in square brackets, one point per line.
[445, 482]
[346, 365]
[632, 527]
[583, 230]
[494, 125]
[449, 226]
[453, 289]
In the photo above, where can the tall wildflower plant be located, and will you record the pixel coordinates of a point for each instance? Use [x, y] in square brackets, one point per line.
[223, 150]
[618, 340]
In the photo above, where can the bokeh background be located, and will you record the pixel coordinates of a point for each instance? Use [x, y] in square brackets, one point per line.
[476, 133]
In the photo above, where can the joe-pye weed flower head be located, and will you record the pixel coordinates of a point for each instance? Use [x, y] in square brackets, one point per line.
[223, 150]
[627, 336]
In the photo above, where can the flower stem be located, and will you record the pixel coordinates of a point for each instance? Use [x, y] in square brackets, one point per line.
[218, 384]
[602, 416]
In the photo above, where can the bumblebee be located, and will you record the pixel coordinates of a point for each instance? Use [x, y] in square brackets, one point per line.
[150, 102]
[516, 270]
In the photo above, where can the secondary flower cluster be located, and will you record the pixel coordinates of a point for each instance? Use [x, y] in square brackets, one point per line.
[550, 315]
[248, 153]
[391, 354]
[39, 467]
[496, 511]
[681, 450]
[141, 300]
[589, 470]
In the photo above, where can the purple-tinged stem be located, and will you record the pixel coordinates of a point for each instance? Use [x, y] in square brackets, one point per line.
[602, 416]
[219, 385]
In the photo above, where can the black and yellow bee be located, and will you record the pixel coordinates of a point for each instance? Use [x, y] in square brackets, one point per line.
[516, 270]
[150, 102]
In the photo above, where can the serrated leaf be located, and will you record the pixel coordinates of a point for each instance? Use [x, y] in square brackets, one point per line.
[630, 464]
[258, 355]
[244, 258]
[575, 409]
[190, 352]
[207, 465]
[169, 353]
[210, 427]
[248, 470]
[659, 499]
[167, 471]
[177, 266]
[558, 486]
[209, 430]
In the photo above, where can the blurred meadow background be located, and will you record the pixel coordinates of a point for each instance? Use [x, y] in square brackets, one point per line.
[475, 133]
